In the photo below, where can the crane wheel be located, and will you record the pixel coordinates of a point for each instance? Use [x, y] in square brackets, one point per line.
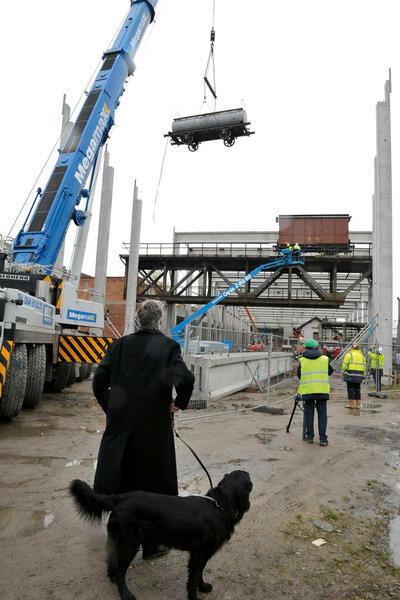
[15, 385]
[61, 373]
[36, 375]
[72, 374]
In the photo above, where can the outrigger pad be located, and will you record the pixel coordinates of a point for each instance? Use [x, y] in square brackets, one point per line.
[226, 125]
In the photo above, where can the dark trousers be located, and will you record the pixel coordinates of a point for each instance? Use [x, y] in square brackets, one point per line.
[377, 375]
[309, 406]
[353, 390]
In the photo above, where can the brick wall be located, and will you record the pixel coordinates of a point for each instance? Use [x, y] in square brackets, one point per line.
[115, 303]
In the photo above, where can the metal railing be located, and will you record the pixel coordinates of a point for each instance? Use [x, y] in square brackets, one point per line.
[238, 249]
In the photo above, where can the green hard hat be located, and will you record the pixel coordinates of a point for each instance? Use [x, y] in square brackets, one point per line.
[311, 344]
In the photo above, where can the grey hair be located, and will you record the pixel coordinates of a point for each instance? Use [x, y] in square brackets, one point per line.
[150, 314]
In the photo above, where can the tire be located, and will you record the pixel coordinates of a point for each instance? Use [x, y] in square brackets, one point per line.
[15, 385]
[72, 374]
[60, 377]
[82, 372]
[89, 371]
[36, 375]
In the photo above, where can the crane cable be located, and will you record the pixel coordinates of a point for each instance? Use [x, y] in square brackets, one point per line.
[211, 86]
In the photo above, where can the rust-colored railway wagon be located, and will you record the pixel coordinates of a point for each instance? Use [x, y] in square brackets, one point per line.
[314, 230]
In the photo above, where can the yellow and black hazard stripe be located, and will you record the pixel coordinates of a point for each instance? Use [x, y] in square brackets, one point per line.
[82, 348]
[5, 357]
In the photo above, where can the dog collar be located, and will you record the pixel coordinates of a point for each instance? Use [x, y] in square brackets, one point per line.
[213, 500]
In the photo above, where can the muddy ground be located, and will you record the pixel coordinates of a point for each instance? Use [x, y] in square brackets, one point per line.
[352, 486]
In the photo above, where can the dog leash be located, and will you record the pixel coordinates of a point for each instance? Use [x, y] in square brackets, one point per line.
[191, 450]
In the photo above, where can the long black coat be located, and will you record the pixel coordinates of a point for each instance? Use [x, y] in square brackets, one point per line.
[133, 385]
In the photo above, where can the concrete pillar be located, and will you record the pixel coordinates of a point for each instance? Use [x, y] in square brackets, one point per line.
[100, 279]
[130, 310]
[382, 230]
[170, 319]
[398, 323]
[371, 312]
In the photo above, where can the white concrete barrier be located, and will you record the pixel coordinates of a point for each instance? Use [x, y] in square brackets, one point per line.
[220, 375]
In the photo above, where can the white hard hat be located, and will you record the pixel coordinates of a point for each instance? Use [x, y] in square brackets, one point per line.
[380, 350]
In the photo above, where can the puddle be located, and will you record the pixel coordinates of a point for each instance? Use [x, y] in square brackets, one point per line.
[14, 430]
[15, 522]
[271, 459]
[45, 461]
[265, 436]
[48, 461]
[394, 540]
[89, 429]
[82, 462]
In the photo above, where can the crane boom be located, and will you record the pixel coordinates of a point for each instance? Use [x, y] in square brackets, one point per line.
[64, 196]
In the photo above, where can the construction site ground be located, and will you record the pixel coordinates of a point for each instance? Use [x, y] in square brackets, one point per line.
[347, 494]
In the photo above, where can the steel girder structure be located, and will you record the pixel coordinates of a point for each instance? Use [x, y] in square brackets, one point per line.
[325, 283]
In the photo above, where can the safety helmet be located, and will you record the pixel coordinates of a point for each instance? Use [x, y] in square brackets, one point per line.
[311, 343]
[380, 350]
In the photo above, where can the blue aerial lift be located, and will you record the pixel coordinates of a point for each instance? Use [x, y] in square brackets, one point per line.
[287, 259]
[41, 316]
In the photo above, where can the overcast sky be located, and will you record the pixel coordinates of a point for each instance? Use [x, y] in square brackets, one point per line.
[308, 73]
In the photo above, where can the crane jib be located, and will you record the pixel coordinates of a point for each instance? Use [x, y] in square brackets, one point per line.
[40, 240]
[86, 164]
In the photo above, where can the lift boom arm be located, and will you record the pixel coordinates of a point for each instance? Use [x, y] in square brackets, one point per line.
[42, 235]
[285, 260]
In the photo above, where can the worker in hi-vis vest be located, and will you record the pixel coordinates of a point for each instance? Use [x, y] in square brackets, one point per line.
[354, 368]
[314, 388]
[296, 251]
[376, 360]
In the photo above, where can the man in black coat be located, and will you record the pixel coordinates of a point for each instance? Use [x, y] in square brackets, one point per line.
[133, 385]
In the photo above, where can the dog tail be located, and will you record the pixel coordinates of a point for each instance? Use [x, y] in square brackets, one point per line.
[89, 504]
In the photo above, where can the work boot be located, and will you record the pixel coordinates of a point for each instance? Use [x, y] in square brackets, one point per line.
[350, 404]
[358, 403]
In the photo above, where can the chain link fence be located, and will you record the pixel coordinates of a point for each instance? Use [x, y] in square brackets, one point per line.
[241, 370]
[234, 369]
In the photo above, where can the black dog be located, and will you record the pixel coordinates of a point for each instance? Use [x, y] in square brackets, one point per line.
[198, 524]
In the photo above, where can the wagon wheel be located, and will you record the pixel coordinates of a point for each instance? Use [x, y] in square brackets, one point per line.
[229, 142]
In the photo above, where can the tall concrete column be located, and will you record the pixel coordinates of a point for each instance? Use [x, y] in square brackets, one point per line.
[382, 229]
[103, 236]
[398, 323]
[130, 310]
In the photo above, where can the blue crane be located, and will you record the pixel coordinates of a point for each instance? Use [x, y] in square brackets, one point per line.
[286, 259]
[44, 230]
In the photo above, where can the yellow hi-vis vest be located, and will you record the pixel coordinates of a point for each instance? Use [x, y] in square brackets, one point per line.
[314, 376]
[372, 359]
[354, 362]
